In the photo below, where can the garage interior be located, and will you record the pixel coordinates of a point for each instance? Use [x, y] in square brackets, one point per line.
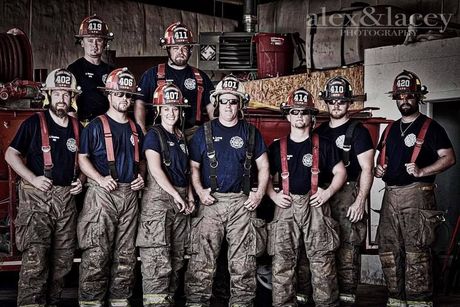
[232, 35]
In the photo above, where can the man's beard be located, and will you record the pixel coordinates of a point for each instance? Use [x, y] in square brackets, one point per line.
[61, 112]
[409, 111]
[336, 115]
[180, 61]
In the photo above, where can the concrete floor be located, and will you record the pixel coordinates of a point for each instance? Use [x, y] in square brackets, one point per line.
[368, 295]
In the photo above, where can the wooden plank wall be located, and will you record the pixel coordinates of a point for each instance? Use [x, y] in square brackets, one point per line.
[52, 24]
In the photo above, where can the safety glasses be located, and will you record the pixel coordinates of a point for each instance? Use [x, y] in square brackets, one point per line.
[121, 94]
[339, 102]
[299, 111]
[230, 101]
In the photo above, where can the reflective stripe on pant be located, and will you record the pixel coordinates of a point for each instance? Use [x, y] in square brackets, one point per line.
[352, 236]
[106, 234]
[227, 218]
[321, 239]
[45, 233]
[406, 230]
[161, 237]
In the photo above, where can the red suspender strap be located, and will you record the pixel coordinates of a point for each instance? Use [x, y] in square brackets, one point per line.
[46, 149]
[315, 164]
[420, 140]
[199, 92]
[76, 133]
[109, 146]
[383, 151]
[284, 165]
[161, 74]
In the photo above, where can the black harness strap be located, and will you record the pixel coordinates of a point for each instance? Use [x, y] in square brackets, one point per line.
[248, 161]
[347, 142]
[211, 153]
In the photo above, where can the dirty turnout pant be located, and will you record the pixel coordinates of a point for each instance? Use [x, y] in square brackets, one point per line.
[106, 234]
[246, 235]
[406, 230]
[319, 232]
[45, 233]
[352, 237]
[161, 237]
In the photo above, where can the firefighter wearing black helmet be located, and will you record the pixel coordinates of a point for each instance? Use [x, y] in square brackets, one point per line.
[413, 150]
[354, 143]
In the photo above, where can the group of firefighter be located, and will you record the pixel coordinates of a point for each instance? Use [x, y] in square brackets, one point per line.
[178, 190]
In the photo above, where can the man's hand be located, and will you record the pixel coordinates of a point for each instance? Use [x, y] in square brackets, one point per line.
[379, 171]
[108, 183]
[320, 197]
[253, 201]
[180, 203]
[137, 183]
[77, 187]
[356, 211]
[190, 207]
[205, 197]
[412, 169]
[42, 183]
[282, 200]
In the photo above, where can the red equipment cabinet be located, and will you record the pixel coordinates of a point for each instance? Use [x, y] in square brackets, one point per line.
[10, 120]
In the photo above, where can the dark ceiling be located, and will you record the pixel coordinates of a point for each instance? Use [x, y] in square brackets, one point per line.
[232, 9]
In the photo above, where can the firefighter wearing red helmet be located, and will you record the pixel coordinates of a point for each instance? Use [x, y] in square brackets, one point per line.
[168, 195]
[194, 84]
[222, 152]
[413, 150]
[302, 212]
[90, 71]
[47, 213]
[112, 159]
[356, 149]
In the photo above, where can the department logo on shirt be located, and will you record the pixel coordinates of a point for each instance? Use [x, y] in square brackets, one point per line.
[171, 144]
[71, 145]
[410, 140]
[184, 149]
[236, 142]
[190, 84]
[131, 139]
[104, 77]
[307, 160]
[339, 141]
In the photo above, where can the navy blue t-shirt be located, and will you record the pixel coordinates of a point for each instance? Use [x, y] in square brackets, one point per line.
[399, 150]
[93, 144]
[28, 141]
[230, 144]
[361, 141]
[92, 102]
[185, 80]
[300, 158]
[178, 170]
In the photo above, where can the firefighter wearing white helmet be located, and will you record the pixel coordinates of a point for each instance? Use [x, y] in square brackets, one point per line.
[413, 150]
[194, 84]
[46, 220]
[221, 153]
[91, 72]
[168, 194]
[112, 159]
